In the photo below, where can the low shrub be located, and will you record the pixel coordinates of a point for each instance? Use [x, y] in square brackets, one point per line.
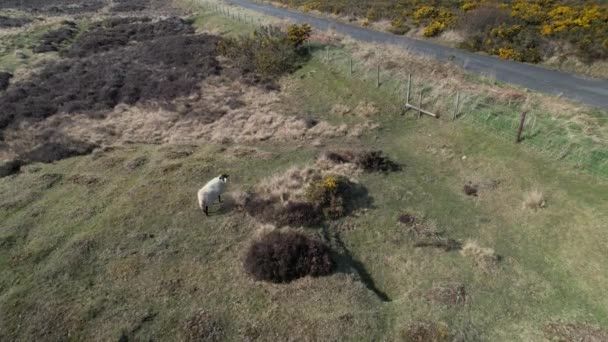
[376, 161]
[268, 52]
[330, 195]
[298, 34]
[368, 161]
[284, 257]
[5, 78]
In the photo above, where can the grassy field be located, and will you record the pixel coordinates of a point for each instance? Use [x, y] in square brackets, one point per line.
[112, 244]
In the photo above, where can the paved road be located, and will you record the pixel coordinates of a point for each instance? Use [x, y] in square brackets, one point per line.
[588, 91]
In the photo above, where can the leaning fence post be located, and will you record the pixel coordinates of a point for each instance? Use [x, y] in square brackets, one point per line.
[521, 127]
[409, 88]
[457, 104]
[420, 104]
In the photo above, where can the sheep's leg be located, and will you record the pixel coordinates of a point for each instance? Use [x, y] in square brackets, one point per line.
[206, 211]
[219, 198]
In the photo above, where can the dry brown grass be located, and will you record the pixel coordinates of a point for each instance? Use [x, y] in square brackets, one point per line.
[260, 118]
[450, 294]
[534, 199]
[484, 258]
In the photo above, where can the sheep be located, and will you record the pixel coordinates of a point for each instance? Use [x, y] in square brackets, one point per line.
[212, 191]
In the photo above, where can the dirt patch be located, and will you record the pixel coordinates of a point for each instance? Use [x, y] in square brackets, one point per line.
[54, 39]
[9, 22]
[470, 190]
[5, 78]
[450, 294]
[201, 326]
[408, 219]
[570, 332]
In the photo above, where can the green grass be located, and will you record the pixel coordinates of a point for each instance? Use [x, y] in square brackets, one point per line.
[131, 253]
[577, 137]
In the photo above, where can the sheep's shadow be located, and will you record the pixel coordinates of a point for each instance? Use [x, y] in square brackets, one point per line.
[358, 198]
[220, 208]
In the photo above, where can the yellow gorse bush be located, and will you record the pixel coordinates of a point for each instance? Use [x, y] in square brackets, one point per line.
[434, 28]
[528, 30]
[329, 183]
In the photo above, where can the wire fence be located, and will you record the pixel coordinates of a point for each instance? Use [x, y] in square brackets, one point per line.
[544, 135]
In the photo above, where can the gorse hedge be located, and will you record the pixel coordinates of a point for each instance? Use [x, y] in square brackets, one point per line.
[529, 30]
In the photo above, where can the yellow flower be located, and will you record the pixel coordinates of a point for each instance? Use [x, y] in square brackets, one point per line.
[434, 28]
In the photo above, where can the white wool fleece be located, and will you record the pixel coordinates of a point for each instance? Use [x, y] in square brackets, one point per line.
[208, 194]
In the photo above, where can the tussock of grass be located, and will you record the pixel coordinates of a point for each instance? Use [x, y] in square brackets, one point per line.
[534, 199]
[484, 258]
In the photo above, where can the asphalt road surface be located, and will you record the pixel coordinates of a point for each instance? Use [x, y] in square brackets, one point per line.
[589, 91]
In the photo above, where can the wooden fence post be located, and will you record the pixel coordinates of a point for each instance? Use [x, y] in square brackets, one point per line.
[457, 104]
[351, 66]
[378, 76]
[521, 127]
[327, 53]
[420, 104]
[409, 88]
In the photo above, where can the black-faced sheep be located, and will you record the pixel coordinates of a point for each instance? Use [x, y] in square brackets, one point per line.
[212, 191]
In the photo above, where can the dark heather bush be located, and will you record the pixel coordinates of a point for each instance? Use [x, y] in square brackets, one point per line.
[375, 161]
[53, 39]
[5, 78]
[369, 161]
[283, 257]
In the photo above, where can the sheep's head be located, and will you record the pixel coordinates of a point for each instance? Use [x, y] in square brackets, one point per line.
[224, 178]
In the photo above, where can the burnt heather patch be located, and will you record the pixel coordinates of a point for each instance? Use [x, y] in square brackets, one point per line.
[116, 32]
[55, 6]
[159, 69]
[6, 22]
